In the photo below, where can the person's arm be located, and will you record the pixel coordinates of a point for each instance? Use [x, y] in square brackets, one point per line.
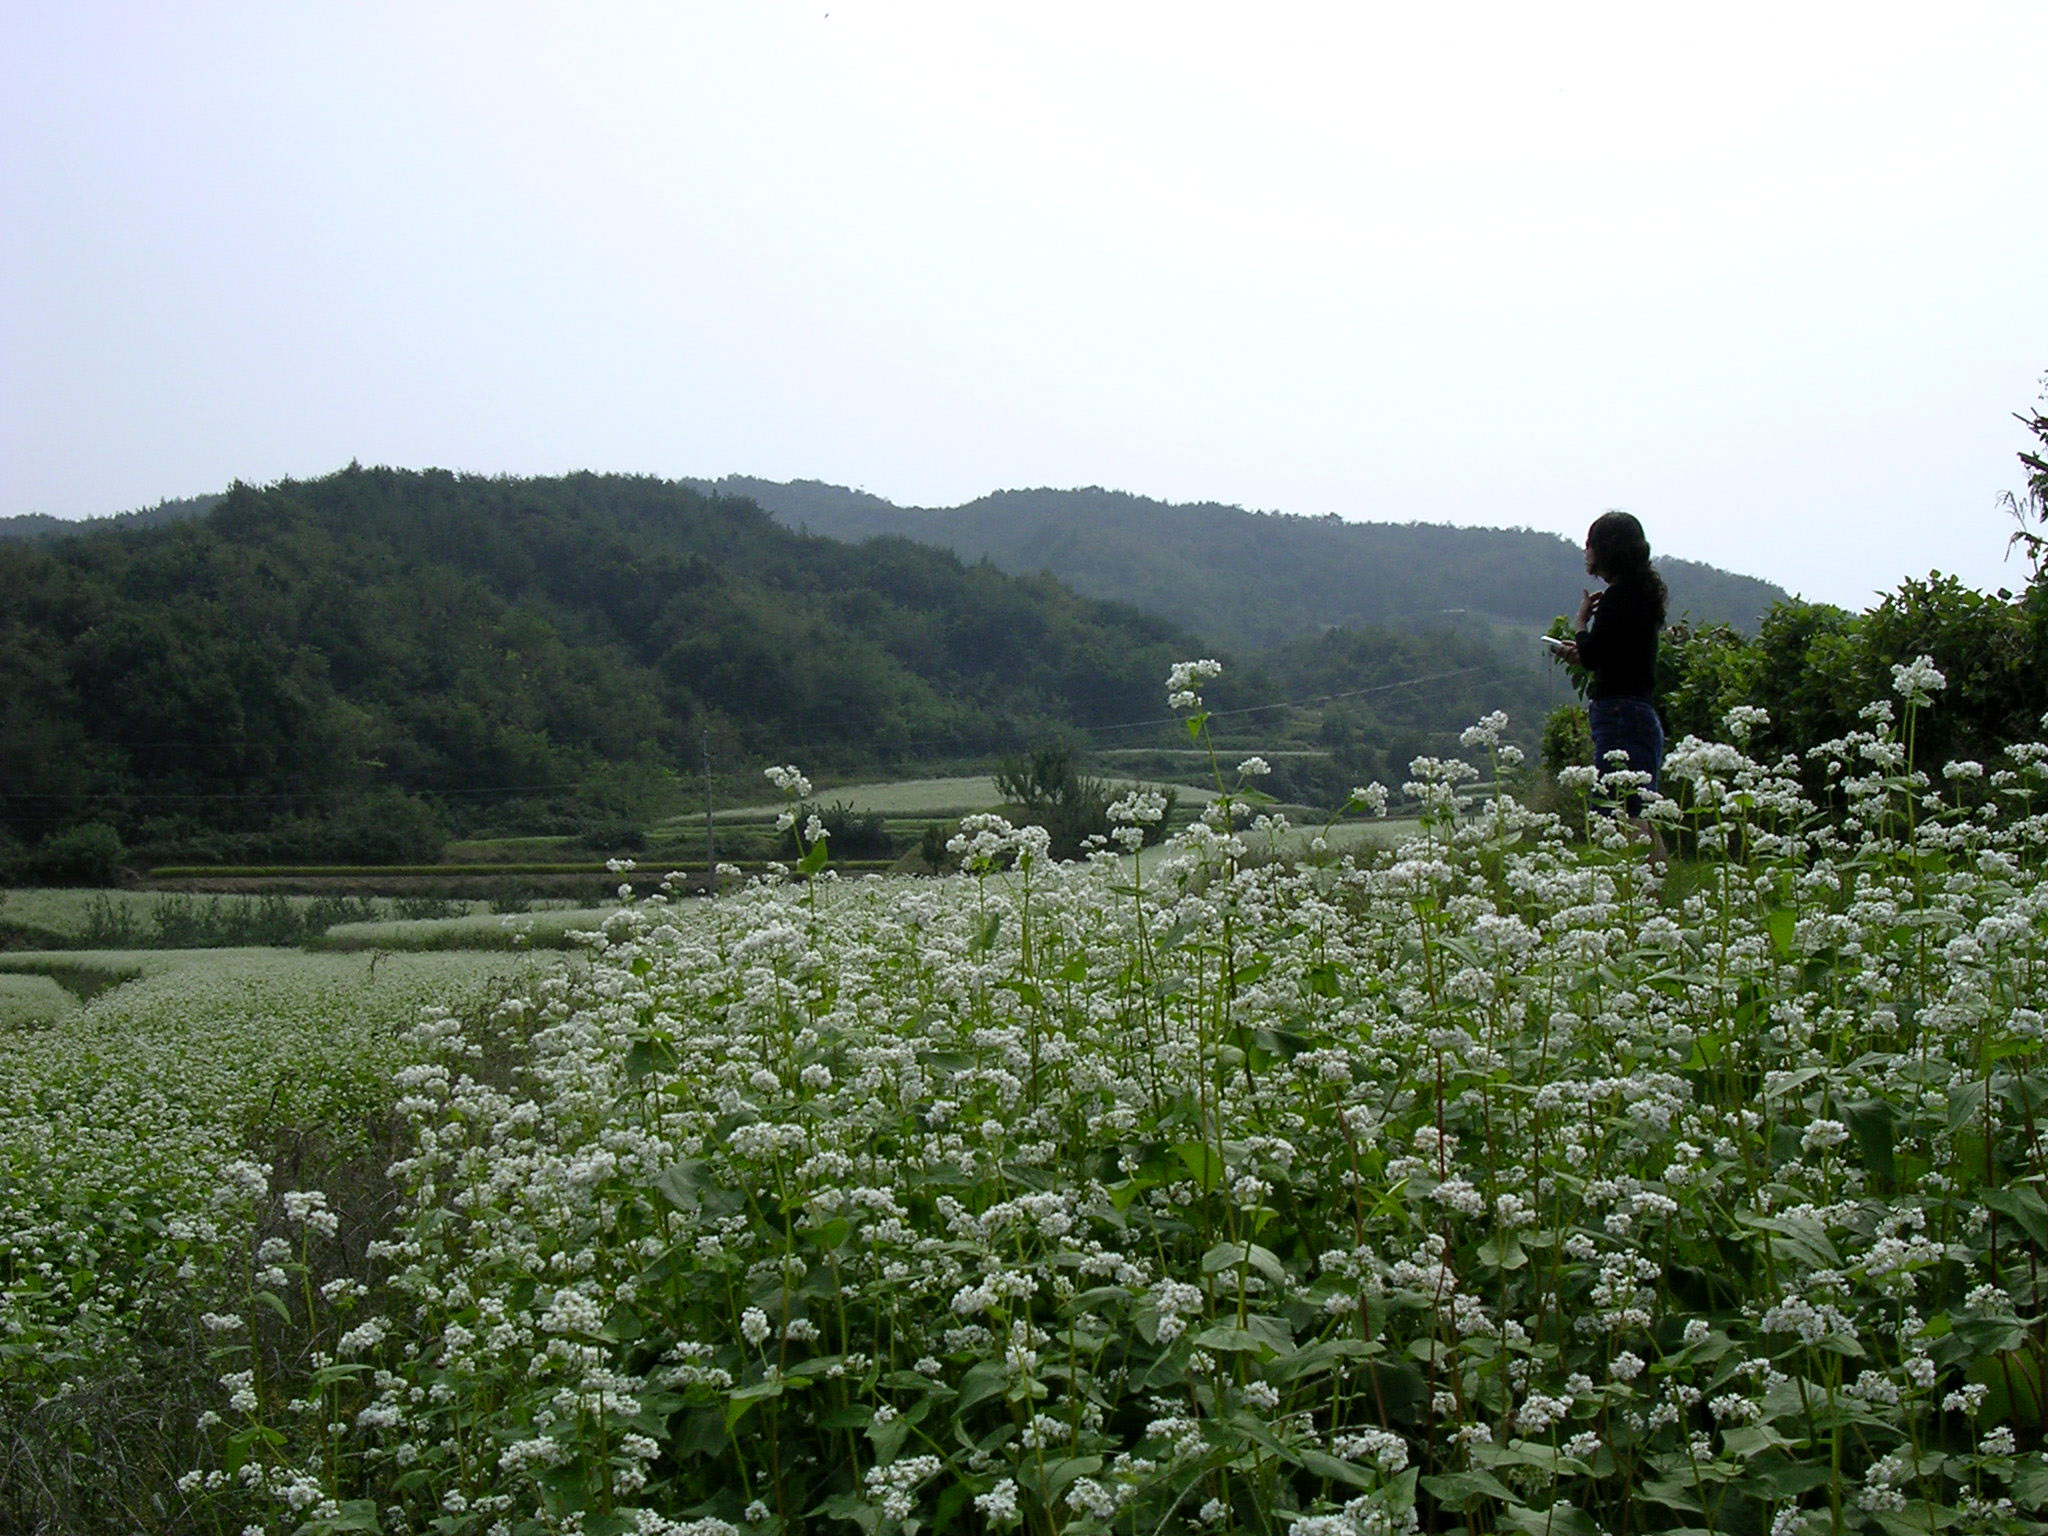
[1584, 646]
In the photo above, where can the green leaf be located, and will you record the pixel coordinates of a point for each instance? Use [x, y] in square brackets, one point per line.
[831, 1235]
[1330, 1468]
[1454, 1488]
[1324, 1354]
[649, 1056]
[2022, 1204]
[1671, 1494]
[1781, 922]
[1559, 1520]
[813, 859]
[1229, 1255]
[1503, 1252]
[888, 1438]
[740, 1401]
[1983, 1336]
[984, 1379]
[271, 1300]
[1917, 1518]
[678, 1183]
[985, 938]
[1800, 1237]
[1231, 1340]
[1201, 1161]
[1252, 970]
[1747, 1440]
[1060, 1476]
[1875, 1126]
[2030, 1483]
[354, 1515]
[852, 1507]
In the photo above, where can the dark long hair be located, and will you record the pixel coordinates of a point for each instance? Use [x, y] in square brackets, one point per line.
[1620, 551]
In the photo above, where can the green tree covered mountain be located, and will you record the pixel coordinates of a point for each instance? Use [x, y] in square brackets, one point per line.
[317, 663]
[1253, 579]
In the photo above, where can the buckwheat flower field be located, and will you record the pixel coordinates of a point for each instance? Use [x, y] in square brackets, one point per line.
[1500, 1183]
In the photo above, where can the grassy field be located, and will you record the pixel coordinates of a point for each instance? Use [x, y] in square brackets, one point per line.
[57, 917]
[907, 799]
[31, 1001]
[553, 928]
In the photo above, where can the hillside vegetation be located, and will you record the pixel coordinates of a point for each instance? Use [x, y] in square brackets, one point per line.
[340, 666]
[1256, 578]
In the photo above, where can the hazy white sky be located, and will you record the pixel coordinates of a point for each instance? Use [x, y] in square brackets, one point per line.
[1768, 276]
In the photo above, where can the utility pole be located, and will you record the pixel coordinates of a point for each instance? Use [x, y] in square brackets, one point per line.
[710, 847]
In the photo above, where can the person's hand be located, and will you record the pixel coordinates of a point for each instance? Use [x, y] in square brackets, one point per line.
[1589, 604]
[1569, 651]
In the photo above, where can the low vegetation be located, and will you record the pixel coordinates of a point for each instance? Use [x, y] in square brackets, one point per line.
[1492, 1184]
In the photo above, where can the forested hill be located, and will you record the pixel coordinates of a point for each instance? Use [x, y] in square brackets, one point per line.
[1251, 578]
[338, 654]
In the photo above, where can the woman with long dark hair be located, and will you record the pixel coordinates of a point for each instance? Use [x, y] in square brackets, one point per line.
[1617, 643]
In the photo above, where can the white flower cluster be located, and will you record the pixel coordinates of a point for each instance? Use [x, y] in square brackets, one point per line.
[1184, 677]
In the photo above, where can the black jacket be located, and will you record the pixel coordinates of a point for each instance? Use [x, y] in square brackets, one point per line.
[1619, 647]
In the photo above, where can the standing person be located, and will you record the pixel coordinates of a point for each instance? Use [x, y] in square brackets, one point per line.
[1617, 643]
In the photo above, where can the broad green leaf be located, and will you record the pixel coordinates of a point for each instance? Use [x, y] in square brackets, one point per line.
[1781, 922]
[1798, 1237]
[741, 1400]
[1454, 1488]
[1503, 1252]
[2022, 1204]
[888, 1438]
[1747, 1440]
[1229, 1255]
[1875, 1126]
[1324, 1465]
[1231, 1339]
[354, 1515]
[1559, 1520]
[1323, 1355]
[1201, 1161]
[984, 1379]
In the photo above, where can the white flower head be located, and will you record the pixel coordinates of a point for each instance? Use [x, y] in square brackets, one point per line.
[1370, 797]
[1145, 807]
[1486, 733]
[1917, 681]
[1743, 719]
[1187, 676]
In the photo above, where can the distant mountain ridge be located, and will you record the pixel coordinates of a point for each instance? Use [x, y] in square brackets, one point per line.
[40, 525]
[1252, 579]
[1248, 579]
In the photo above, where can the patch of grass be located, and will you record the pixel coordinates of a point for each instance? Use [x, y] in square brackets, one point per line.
[910, 799]
[542, 930]
[59, 918]
[30, 1002]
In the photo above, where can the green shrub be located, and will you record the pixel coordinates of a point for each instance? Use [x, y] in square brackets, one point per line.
[83, 855]
[615, 835]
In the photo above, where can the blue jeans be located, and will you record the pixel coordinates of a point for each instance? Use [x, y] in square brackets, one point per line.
[1627, 725]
